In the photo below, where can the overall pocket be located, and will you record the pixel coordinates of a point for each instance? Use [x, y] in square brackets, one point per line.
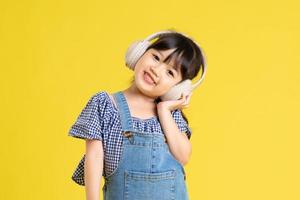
[149, 186]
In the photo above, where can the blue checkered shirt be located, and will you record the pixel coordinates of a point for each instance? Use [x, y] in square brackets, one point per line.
[99, 120]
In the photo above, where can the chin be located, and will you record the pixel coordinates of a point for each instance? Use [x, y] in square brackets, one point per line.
[145, 89]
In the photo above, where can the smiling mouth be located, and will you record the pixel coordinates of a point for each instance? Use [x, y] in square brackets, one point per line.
[148, 78]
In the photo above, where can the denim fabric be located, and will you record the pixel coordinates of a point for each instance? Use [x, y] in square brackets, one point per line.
[100, 120]
[147, 170]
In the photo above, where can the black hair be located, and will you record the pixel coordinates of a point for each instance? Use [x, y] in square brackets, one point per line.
[188, 56]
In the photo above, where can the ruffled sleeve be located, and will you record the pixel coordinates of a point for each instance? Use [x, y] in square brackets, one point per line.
[89, 123]
[181, 123]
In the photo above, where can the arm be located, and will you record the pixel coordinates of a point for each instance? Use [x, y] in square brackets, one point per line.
[93, 168]
[178, 142]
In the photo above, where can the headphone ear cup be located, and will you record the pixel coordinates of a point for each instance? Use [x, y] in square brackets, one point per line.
[175, 92]
[129, 56]
[134, 52]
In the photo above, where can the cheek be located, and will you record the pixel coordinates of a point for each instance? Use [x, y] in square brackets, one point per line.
[166, 84]
[147, 61]
[138, 68]
[167, 80]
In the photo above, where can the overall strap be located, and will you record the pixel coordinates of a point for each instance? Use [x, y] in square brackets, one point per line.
[124, 111]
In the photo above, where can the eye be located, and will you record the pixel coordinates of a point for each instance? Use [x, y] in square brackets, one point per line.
[171, 72]
[155, 57]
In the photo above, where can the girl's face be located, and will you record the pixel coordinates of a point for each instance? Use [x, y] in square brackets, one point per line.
[153, 77]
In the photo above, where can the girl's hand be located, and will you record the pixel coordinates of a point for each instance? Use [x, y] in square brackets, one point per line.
[175, 104]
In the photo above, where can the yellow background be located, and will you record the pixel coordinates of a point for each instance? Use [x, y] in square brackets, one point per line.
[245, 117]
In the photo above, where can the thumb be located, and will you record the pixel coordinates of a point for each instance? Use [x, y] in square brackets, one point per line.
[181, 99]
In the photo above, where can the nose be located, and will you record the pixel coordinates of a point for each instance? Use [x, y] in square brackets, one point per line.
[155, 70]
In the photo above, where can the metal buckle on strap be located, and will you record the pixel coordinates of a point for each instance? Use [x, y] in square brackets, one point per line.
[127, 134]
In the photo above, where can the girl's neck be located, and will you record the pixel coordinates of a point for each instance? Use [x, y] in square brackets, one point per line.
[136, 97]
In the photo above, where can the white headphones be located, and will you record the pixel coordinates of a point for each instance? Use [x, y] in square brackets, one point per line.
[138, 48]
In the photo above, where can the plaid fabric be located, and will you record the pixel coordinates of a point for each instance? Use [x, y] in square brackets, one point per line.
[99, 120]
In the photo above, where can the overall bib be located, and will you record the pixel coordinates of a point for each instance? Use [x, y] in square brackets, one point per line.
[147, 170]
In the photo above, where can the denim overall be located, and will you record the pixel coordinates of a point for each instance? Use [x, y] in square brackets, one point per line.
[147, 170]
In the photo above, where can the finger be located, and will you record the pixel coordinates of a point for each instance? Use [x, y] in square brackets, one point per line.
[189, 96]
[182, 98]
[185, 106]
[187, 100]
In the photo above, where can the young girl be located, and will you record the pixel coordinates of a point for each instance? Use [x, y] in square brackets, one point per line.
[137, 140]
